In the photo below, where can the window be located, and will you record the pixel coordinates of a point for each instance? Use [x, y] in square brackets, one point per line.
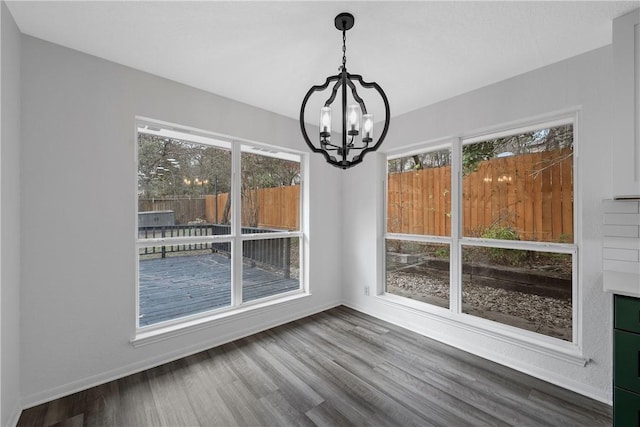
[484, 227]
[418, 214]
[207, 241]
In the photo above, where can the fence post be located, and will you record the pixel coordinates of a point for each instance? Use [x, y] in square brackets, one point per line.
[164, 249]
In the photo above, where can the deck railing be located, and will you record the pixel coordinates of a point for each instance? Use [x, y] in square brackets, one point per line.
[272, 253]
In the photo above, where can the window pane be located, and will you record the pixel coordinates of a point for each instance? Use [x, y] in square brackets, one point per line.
[520, 187]
[418, 271]
[526, 289]
[270, 192]
[187, 280]
[419, 194]
[182, 184]
[270, 267]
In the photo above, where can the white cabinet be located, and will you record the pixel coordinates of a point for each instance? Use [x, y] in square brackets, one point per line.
[621, 247]
[626, 68]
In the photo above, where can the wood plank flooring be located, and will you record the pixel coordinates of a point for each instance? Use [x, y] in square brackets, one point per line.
[337, 368]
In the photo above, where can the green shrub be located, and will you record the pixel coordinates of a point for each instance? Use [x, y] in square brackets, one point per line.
[442, 252]
[512, 257]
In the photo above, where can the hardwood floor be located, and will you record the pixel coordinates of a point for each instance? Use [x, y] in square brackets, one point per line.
[336, 368]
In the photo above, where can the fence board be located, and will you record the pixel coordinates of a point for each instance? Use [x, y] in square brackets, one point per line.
[440, 213]
[556, 202]
[447, 188]
[466, 206]
[430, 208]
[567, 199]
[519, 197]
[511, 190]
[536, 181]
[529, 222]
[547, 198]
[417, 205]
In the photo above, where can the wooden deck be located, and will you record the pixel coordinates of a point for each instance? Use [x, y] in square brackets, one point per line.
[179, 286]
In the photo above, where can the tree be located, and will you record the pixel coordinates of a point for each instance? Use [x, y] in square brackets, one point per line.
[473, 154]
[432, 159]
[172, 167]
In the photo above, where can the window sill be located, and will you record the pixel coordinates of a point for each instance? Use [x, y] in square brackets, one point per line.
[552, 347]
[145, 336]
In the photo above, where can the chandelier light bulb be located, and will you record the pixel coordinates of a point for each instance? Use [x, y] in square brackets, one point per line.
[353, 121]
[367, 127]
[325, 120]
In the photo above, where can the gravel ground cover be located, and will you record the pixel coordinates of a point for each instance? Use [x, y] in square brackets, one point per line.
[546, 315]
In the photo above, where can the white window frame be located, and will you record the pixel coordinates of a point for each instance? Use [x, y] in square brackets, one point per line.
[555, 347]
[166, 329]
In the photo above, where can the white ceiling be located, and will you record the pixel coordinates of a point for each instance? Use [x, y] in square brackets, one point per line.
[269, 53]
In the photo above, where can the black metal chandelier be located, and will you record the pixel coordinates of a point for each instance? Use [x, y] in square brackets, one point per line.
[355, 119]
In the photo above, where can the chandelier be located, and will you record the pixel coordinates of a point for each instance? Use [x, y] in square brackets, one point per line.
[357, 124]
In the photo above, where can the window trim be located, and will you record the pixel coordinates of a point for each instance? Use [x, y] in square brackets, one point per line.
[569, 351]
[186, 324]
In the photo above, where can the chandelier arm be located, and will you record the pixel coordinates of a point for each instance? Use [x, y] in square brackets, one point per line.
[345, 149]
[328, 144]
[364, 145]
[329, 159]
[376, 86]
[334, 91]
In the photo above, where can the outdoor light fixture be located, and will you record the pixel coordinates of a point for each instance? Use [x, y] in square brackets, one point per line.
[356, 122]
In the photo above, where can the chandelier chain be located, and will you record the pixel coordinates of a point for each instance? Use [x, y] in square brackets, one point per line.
[344, 49]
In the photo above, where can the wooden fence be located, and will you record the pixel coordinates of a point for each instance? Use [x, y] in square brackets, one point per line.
[532, 193]
[276, 207]
[420, 202]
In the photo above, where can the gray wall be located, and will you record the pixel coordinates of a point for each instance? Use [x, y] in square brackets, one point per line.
[9, 218]
[78, 201]
[584, 82]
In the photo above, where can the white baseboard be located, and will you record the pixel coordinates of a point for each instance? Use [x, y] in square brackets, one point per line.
[516, 364]
[44, 396]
